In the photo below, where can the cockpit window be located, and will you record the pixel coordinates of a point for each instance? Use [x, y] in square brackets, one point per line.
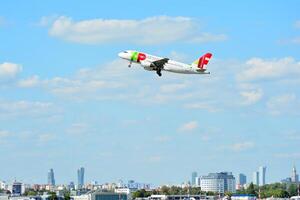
[125, 51]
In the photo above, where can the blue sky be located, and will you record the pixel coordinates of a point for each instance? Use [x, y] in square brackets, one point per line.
[68, 101]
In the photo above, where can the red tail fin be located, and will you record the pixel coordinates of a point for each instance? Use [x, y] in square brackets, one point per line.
[203, 61]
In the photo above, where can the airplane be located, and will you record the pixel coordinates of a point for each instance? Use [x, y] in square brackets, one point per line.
[159, 64]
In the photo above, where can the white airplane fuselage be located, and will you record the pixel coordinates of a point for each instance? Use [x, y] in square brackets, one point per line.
[147, 61]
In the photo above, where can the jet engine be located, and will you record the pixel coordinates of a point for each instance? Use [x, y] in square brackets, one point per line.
[147, 65]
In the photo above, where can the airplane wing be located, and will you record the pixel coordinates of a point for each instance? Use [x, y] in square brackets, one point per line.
[159, 64]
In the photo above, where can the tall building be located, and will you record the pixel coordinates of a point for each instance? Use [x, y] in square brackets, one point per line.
[295, 176]
[51, 180]
[194, 176]
[262, 175]
[17, 188]
[242, 179]
[71, 186]
[198, 181]
[80, 177]
[255, 178]
[218, 182]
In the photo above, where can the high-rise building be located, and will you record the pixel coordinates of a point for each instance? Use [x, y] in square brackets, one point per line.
[51, 180]
[242, 179]
[198, 181]
[80, 177]
[256, 178]
[295, 176]
[262, 175]
[71, 186]
[17, 188]
[194, 176]
[218, 182]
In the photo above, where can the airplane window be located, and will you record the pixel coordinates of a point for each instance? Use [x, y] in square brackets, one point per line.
[125, 52]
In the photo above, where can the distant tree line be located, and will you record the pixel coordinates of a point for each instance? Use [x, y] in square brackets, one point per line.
[277, 190]
[173, 190]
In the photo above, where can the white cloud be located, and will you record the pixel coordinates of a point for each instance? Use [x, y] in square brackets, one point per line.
[114, 81]
[188, 126]
[288, 155]
[258, 68]
[78, 129]
[25, 108]
[4, 134]
[286, 103]
[152, 30]
[209, 106]
[251, 97]
[208, 37]
[242, 146]
[170, 88]
[9, 70]
[29, 82]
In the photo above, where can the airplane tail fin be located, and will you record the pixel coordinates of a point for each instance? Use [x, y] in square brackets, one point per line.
[202, 62]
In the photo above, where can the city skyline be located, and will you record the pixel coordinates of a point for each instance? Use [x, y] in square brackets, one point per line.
[67, 99]
[241, 178]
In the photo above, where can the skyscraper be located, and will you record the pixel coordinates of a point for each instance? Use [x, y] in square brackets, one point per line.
[262, 175]
[51, 180]
[295, 176]
[256, 178]
[80, 177]
[242, 179]
[194, 176]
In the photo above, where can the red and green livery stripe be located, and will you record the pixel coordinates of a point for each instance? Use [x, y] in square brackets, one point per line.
[137, 57]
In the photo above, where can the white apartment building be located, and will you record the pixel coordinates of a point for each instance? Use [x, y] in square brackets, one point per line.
[218, 182]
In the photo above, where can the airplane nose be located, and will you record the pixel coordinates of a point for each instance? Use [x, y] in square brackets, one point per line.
[123, 55]
[120, 54]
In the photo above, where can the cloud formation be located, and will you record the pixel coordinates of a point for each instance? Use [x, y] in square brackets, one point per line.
[251, 97]
[26, 108]
[283, 104]
[258, 69]
[9, 70]
[29, 82]
[4, 134]
[148, 31]
[242, 146]
[188, 126]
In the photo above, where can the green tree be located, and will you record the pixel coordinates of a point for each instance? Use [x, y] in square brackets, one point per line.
[229, 194]
[292, 190]
[195, 191]
[140, 194]
[251, 189]
[67, 195]
[165, 190]
[52, 196]
[30, 192]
